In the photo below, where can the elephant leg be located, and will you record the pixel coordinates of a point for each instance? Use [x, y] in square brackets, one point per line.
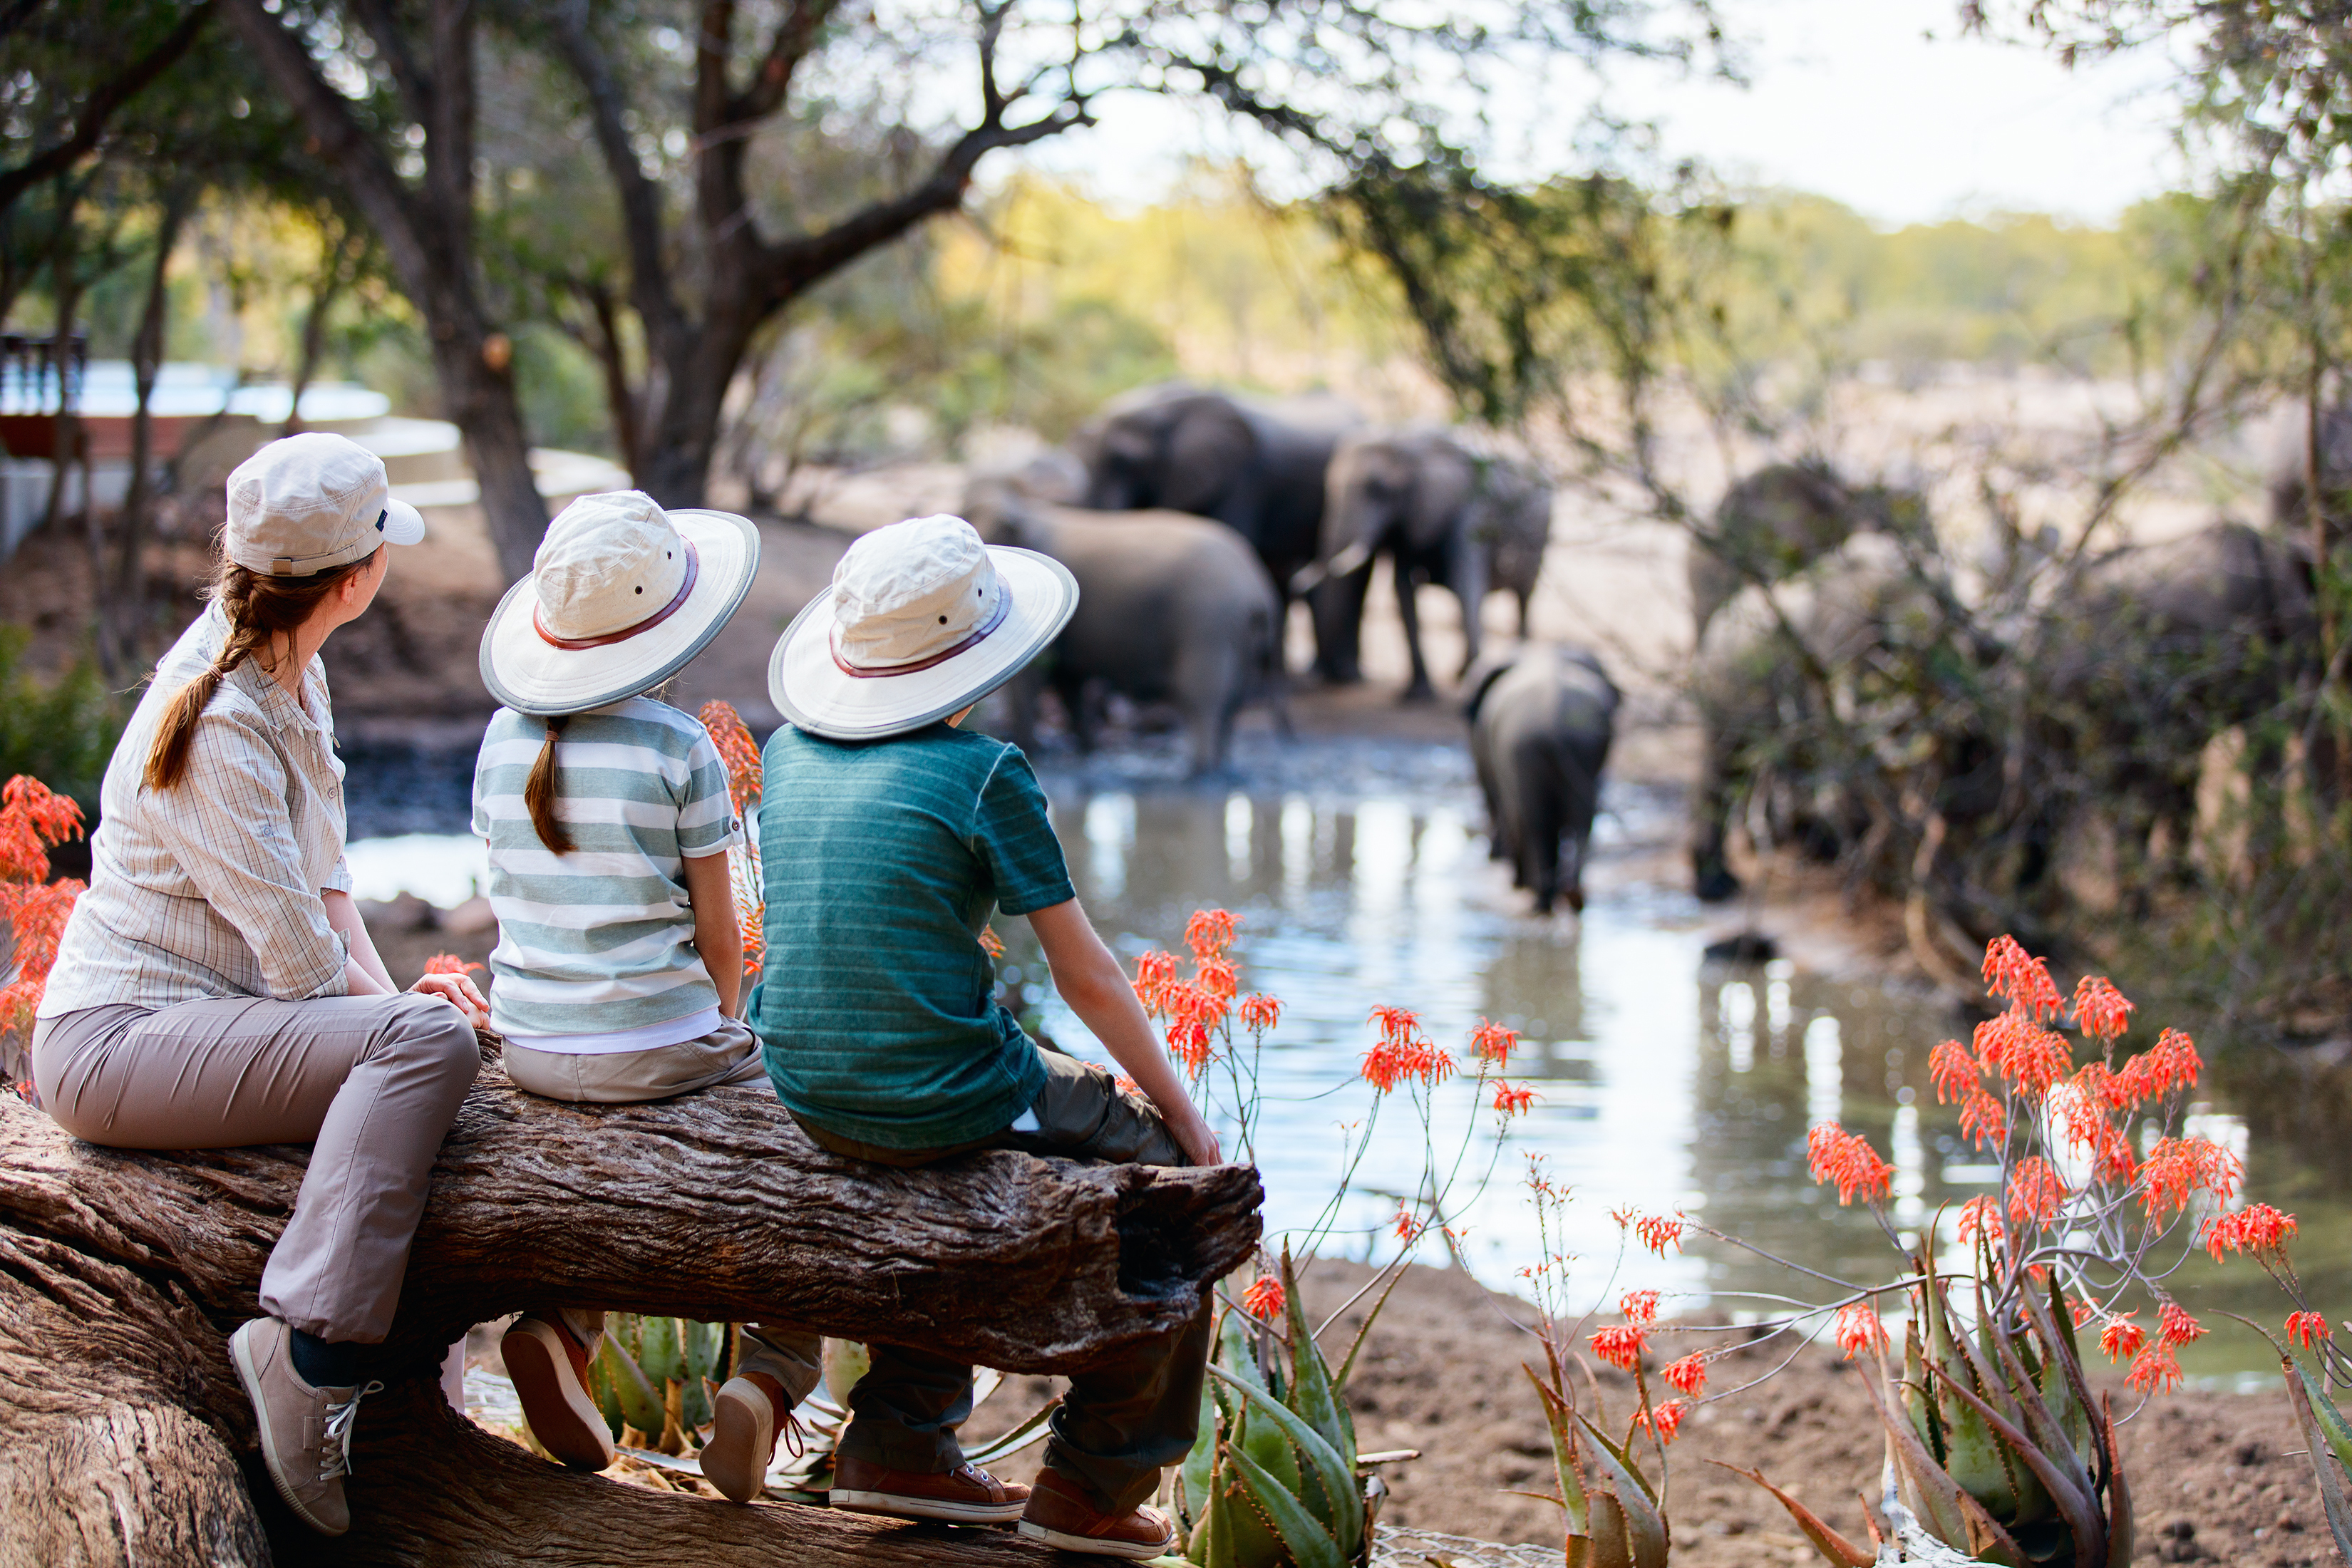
[1419, 689]
[1336, 606]
[1523, 595]
[1480, 746]
[1582, 803]
[1078, 697]
[1540, 829]
[1711, 875]
[1471, 576]
[1021, 704]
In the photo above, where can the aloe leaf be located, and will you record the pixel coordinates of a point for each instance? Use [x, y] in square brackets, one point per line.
[1610, 1546]
[2120, 1506]
[1826, 1540]
[1192, 1474]
[1347, 1362]
[601, 1389]
[1919, 1399]
[1309, 1544]
[703, 1343]
[1220, 1524]
[1312, 1395]
[641, 1407]
[1645, 1528]
[659, 1355]
[2331, 1485]
[1338, 1477]
[2076, 1506]
[2331, 1420]
[1564, 1458]
[2049, 1439]
[1948, 1513]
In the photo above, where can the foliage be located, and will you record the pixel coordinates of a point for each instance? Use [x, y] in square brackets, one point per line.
[1995, 1441]
[63, 730]
[653, 1379]
[33, 910]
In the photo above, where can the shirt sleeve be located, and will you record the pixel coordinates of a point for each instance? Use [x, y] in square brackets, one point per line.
[234, 840]
[1013, 837]
[707, 823]
[339, 880]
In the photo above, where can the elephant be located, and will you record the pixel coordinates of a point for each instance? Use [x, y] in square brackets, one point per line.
[1778, 520]
[1845, 621]
[1257, 468]
[1172, 608]
[1540, 726]
[2152, 650]
[2290, 513]
[1442, 514]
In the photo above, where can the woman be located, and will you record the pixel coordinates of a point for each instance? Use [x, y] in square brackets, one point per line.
[215, 985]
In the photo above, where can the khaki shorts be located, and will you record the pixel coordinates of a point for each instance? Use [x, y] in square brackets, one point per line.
[729, 1054]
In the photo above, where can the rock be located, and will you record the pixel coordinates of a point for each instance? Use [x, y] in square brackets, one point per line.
[472, 918]
[406, 913]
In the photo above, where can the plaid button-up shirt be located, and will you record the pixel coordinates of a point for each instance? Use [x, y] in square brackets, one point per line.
[213, 887]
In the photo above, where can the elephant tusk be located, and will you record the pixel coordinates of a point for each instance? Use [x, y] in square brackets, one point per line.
[1308, 578]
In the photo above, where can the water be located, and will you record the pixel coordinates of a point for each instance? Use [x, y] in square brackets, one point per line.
[1666, 1081]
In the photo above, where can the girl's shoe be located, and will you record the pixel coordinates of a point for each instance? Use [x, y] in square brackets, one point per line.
[965, 1495]
[748, 1416]
[549, 1366]
[1059, 1516]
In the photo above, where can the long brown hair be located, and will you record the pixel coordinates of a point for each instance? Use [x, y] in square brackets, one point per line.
[539, 793]
[260, 610]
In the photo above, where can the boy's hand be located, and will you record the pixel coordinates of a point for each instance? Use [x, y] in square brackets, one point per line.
[1200, 1144]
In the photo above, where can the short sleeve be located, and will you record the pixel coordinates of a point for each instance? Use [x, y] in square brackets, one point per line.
[707, 823]
[1014, 838]
[339, 878]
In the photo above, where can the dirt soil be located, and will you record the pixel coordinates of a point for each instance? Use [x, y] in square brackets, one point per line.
[2215, 1477]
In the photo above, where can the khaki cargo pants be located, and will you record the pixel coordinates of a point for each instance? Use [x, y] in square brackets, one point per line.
[1123, 1422]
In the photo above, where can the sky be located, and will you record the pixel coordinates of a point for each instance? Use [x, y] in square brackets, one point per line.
[1880, 104]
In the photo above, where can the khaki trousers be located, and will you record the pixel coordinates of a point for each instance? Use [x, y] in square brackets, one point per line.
[371, 1082]
[729, 1054]
[1123, 1421]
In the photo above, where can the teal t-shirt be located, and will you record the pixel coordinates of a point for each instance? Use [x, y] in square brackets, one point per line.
[883, 860]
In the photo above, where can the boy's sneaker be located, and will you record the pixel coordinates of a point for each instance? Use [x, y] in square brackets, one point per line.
[965, 1495]
[306, 1432]
[748, 1416]
[1060, 1516]
[549, 1366]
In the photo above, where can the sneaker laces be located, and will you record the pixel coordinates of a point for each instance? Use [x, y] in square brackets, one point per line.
[335, 1457]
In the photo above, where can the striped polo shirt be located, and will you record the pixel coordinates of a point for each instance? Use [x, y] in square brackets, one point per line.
[596, 947]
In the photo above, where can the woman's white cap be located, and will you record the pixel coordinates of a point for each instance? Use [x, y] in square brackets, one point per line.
[621, 595]
[312, 502]
[922, 620]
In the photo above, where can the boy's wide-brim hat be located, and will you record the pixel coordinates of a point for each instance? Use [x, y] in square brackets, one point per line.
[922, 620]
[621, 595]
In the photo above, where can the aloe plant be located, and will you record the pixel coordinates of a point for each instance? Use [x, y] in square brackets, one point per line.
[653, 1379]
[1274, 1479]
[1615, 1516]
[1995, 1446]
[2327, 1438]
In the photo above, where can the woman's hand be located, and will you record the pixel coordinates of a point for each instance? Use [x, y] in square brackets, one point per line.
[460, 991]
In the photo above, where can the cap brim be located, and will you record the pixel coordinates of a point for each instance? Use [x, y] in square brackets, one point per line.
[817, 694]
[530, 675]
[403, 523]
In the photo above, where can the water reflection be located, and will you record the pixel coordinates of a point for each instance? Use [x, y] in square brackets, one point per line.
[1667, 1082]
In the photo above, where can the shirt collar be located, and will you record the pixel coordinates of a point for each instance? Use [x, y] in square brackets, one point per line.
[278, 705]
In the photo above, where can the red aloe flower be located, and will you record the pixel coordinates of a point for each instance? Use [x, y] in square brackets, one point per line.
[1493, 1042]
[1408, 1229]
[2156, 1370]
[1982, 1121]
[1639, 1306]
[1980, 1216]
[1209, 933]
[1154, 972]
[2175, 1327]
[1859, 1328]
[2082, 1307]
[1264, 1299]
[737, 750]
[32, 817]
[1658, 1233]
[2023, 1052]
[1952, 1070]
[1620, 1344]
[1513, 1101]
[1688, 1374]
[2013, 973]
[2101, 1011]
[2035, 1192]
[2179, 1170]
[449, 963]
[2257, 1227]
[1664, 1419]
[2306, 1329]
[1397, 1023]
[1260, 1011]
[1847, 1160]
[2121, 1340]
[1218, 977]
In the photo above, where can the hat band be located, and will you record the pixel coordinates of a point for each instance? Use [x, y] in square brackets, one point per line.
[693, 570]
[979, 636]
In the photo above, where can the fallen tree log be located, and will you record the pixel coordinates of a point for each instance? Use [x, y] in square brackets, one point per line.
[124, 1437]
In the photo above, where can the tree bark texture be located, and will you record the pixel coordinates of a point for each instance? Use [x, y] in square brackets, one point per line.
[124, 1437]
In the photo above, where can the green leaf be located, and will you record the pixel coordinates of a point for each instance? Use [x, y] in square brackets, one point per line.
[1347, 1362]
[640, 1405]
[1032, 1428]
[1950, 1514]
[1312, 1395]
[601, 1389]
[1338, 1477]
[2316, 1439]
[1192, 1476]
[1837, 1548]
[1558, 1415]
[1309, 1544]
[694, 1403]
[704, 1344]
[662, 1359]
[1645, 1528]
[2076, 1505]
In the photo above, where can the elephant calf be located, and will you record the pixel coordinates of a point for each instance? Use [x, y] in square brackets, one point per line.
[1172, 608]
[1539, 731]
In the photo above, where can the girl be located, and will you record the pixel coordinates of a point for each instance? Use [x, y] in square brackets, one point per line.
[619, 968]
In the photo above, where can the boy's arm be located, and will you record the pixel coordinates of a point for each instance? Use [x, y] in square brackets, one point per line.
[1091, 981]
[717, 936]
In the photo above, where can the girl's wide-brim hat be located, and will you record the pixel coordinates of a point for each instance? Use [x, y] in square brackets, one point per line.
[922, 620]
[621, 595]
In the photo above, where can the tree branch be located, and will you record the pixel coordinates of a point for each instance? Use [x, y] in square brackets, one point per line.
[409, 78]
[795, 37]
[641, 210]
[92, 121]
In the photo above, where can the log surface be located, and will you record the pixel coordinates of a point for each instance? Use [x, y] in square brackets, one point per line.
[123, 1433]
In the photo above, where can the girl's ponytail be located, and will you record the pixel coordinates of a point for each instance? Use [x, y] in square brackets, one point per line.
[260, 611]
[539, 794]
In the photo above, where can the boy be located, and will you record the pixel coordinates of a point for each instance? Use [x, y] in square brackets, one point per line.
[889, 835]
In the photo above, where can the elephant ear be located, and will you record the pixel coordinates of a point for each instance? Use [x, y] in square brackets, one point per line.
[1481, 676]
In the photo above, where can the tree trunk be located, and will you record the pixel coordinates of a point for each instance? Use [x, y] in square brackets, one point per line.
[124, 1435]
[481, 398]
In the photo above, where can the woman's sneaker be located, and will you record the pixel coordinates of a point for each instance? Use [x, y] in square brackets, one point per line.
[549, 1366]
[306, 1432]
[1059, 1515]
[965, 1495]
[749, 1412]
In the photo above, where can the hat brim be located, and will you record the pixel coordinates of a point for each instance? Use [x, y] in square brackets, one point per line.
[403, 523]
[530, 675]
[817, 694]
